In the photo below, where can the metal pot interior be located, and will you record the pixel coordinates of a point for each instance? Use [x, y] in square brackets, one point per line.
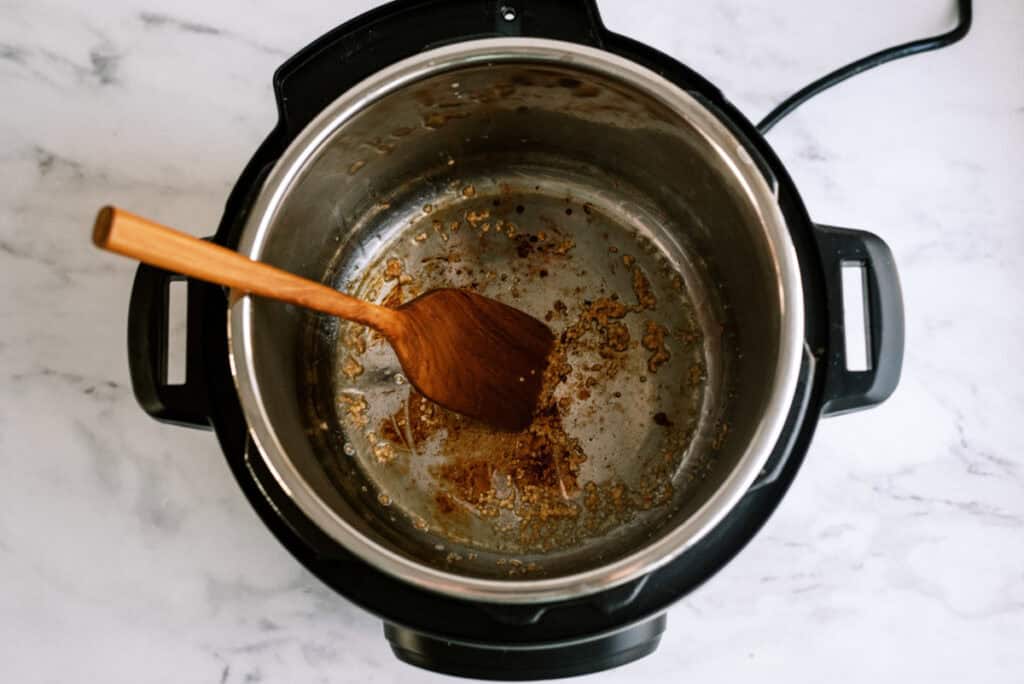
[567, 188]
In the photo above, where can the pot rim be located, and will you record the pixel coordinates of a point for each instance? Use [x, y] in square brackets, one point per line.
[644, 560]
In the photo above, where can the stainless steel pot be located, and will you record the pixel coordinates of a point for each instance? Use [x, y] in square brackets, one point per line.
[565, 144]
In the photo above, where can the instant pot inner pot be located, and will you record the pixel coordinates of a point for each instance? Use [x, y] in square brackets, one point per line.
[586, 203]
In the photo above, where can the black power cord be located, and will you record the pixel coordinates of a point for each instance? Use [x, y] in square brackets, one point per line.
[869, 62]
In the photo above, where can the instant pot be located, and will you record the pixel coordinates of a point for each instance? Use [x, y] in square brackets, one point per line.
[635, 138]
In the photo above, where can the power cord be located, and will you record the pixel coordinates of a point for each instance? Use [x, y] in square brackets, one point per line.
[869, 62]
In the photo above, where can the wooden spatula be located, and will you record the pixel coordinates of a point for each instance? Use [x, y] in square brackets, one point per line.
[466, 352]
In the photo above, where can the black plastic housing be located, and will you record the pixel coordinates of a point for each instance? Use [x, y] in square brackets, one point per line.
[471, 638]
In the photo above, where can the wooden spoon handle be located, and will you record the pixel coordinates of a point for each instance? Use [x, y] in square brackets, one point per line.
[125, 233]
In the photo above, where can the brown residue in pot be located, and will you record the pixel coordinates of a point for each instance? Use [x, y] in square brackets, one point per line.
[356, 407]
[613, 338]
[381, 147]
[351, 367]
[563, 247]
[394, 298]
[475, 218]
[355, 338]
[415, 422]
[642, 288]
[438, 120]
[696, 375]
[558, 311]
[617, 337]
[605, 309]
[471, 481]
[690, 335]
[444, 503]
[393, 269]
[529, 471]
[654, 341]
[384, 452]
[720, 434]
[527, 488]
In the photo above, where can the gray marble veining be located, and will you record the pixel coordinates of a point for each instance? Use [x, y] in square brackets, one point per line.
[127, 552]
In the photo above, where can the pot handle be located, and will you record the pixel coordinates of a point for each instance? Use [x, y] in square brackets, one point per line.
[849, 390]
[184, 404]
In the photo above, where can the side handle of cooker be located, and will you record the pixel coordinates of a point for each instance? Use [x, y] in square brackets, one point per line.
[849, 390]
[185, 404]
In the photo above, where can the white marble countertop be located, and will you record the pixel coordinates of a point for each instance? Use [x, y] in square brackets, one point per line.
[129, 554]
